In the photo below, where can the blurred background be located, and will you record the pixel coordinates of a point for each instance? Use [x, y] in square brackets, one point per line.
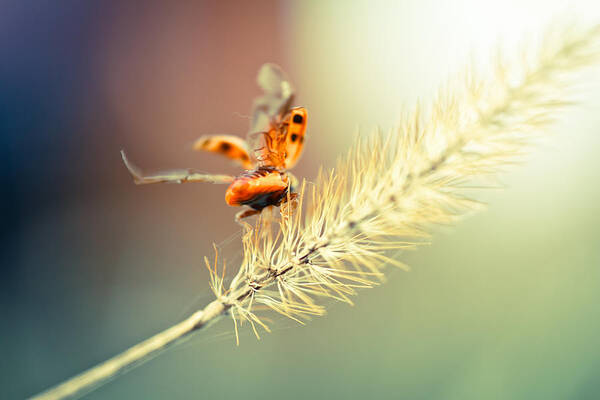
[505, 305]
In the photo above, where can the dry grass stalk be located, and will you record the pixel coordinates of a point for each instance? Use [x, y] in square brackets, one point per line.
[386, 194]
[389, 191]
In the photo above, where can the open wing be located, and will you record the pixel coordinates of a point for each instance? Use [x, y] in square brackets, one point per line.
[276, 99]
[266, 138]
[295, 128]
[232, 147]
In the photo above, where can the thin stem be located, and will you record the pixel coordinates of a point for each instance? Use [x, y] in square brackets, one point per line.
[101, 373]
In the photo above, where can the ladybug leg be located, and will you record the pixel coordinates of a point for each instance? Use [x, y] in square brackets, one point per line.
[245, 214]
[268, 215]
[293, 182]
[172, 176]
[289, 206]
[289, 203]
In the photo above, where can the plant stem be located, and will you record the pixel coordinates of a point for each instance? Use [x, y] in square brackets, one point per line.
[101, 373]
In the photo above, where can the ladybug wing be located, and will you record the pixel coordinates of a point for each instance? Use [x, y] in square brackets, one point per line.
[268, 148]
[232, 147]
[281, 146]
[295, 129]
[265, 138]
[276, 99]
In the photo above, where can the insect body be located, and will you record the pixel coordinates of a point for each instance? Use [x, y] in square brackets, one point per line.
[274, 145]
[258, 188]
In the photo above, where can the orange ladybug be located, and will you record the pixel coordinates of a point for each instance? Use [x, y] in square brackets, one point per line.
[274, 144]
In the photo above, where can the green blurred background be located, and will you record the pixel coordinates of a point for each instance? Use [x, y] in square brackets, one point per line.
[504, 306]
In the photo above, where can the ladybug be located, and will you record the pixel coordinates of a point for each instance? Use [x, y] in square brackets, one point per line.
[273, 146]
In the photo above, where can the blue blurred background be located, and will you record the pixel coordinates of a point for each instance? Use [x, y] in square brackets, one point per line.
[503, 306]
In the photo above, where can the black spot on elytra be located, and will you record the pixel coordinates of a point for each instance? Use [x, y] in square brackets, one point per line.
[294, 137]
[225, 147]
[298, 119]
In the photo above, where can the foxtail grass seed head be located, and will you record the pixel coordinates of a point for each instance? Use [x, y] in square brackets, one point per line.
[391, 190]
